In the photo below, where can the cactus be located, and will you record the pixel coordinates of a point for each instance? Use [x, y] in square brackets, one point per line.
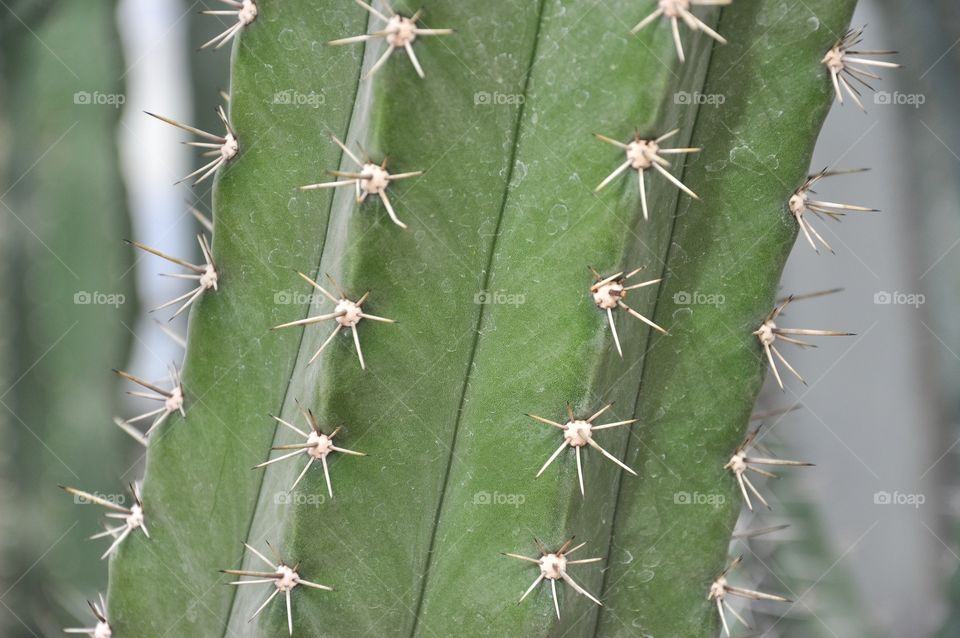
[499, 318]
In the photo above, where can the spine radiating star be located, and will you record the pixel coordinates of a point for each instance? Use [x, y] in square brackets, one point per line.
[283, 577]
[204, 274]
[318, 447]
[769, 332]
[400, 32]
[578, 433]
[553, 567]
[246, 12]
[373, 179]
[346, 313]
[132, 517]
[221, 148]
[740, 463]
[171, 399]
[846, 65]
[677, 10]
[608, 294]
[102, 629]
[720, 589]
[642, 155]
[800, 204]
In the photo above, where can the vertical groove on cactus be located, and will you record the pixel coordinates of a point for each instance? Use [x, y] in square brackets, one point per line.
[484, 286]
[285, 396]
[442, 220]
[199, 489]
[571, 355]
[698, 406]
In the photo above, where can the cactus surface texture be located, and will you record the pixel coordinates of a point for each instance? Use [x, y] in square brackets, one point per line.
[490, 286]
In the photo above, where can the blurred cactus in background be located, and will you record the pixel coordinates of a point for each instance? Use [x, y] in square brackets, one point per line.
[70, 302]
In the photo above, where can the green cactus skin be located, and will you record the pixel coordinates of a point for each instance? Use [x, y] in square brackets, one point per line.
[490, 284]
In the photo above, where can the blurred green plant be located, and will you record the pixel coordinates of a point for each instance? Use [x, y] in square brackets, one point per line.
[69, 302]
[801, 561]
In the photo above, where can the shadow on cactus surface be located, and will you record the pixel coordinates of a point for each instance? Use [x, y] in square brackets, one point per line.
[490, 284]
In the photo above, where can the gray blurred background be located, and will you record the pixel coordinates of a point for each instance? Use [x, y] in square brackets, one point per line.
[873, 545]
